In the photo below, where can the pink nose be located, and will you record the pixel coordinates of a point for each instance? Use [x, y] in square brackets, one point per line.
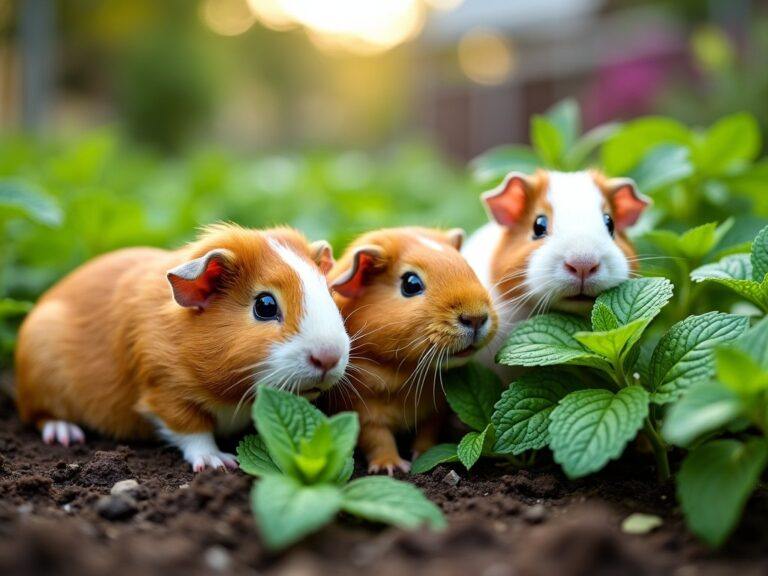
[324, 361]
[582, 268]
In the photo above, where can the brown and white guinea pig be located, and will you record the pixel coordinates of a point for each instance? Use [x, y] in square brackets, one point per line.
[555, 240]
[412, 305]
[143, 341]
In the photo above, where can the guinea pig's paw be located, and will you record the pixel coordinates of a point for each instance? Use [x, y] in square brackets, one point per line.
[62, 432]
[214, 460]
[389, 464]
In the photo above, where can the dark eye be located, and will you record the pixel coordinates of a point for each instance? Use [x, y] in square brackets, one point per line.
[540, 227]
[608, 223]
[265, 307]
[411, 284]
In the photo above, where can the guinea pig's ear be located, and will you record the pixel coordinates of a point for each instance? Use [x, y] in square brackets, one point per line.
[194, 282]
[322, 254]
[506, 203]
[456, 237]
[367, 261]
[627, 202]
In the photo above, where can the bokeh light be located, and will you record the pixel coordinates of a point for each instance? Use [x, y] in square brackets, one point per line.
[227, 17]
[486, 57]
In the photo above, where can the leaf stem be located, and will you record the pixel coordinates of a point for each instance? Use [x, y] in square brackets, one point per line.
[659, 450]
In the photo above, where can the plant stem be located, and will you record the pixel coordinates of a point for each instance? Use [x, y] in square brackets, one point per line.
[659, 450]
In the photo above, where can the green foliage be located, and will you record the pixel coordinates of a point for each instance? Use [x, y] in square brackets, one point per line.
[304, 459]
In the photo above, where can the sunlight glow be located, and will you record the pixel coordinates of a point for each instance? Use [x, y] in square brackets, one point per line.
[486, 56]
[227, 17]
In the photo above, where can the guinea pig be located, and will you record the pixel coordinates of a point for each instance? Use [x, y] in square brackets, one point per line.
[555, 240]
[412, 306]
[144, 341]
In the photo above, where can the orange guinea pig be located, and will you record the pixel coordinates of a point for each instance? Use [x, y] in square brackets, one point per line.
[144, 341]
[413, 306]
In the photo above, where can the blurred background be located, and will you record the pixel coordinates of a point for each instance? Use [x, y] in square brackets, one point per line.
[136, 121]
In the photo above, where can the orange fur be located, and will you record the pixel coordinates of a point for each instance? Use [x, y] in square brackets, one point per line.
[391, 333]
[107, 345]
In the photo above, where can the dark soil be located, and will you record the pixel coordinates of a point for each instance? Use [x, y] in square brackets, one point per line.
[56, 517]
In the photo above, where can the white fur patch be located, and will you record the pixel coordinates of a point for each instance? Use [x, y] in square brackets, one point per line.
[199, 449]
[321, 331]
[429, 243]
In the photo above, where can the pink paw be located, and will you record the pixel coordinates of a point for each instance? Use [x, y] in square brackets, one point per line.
[220, 461]
[62, 432]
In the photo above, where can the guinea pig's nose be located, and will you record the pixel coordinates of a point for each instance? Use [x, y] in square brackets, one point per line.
[324, 360]
[582, 268]
[474, 321]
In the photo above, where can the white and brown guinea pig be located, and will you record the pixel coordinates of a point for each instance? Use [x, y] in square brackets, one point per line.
[412, 305]
[145, 341]
[555, 240]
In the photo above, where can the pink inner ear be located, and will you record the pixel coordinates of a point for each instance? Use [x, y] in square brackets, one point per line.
[508, 206]
[354, 285]
[627, 207]
[326, 263]
[196, 293]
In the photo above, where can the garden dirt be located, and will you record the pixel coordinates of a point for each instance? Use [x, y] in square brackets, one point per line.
[57, 517]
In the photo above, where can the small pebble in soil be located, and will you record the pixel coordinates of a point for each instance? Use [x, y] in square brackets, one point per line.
[640, 523]
[452, 478]
[120, 507]
[218, 559]
[535, 514]
[128, 486]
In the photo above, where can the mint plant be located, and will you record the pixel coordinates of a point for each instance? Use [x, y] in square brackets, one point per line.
[472, 391]
[304, 460]
[587, 420]
[718, 475]
[745, 274]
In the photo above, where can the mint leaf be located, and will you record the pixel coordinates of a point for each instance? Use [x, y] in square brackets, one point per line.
[286, 511]
[548, 340]
[475, 444]
[759, 257]
[472, 391]
[684, 354]
[715, 482]
[705, 407]
[383, 499]
[590, 427]
[521, 418]
[33, 203]
[603, 318]
[253, 457]
[344, 429]
[733, 267]
[637, 298]
[754, 342]
[730, 143]
[661, 167]
[496, 163]
[283, 420]
[739, 372]
[614, 344]
[440, 454]
[565, 116]
[547, 141]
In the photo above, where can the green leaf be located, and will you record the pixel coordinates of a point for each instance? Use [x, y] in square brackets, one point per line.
[253, 457]
[739, 372]
[565, 116]
[734, 267]
[475, 444]
[10, 308]
[637, 298]
[313, 453]
[578, 155]
[344, 429]
[684, 356]
[661, 167]
[729, 143]
[472, 391]
[693, 244]
[521, 418]
[387, 500]
[440, 454]
[590, 427]
[603, 318]
[633, 141]
[705, 407]
[495, 164]
[755, 343]
[286, 511]
[715, 482]
[759, 257]
[547, 141]
[25, 198]
[548, 340]
[283, 420]
[614, 344]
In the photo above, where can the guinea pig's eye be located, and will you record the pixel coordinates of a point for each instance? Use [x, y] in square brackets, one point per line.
[265, 307]
[540, 227]
[608, 223]
[411, 284]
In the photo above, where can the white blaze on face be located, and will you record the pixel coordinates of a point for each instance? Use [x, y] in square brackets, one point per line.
[321, 332]
[577, 232]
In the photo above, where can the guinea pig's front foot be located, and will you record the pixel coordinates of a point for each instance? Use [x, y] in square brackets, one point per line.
[388, 463]
[62, 432]
[214, 460]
